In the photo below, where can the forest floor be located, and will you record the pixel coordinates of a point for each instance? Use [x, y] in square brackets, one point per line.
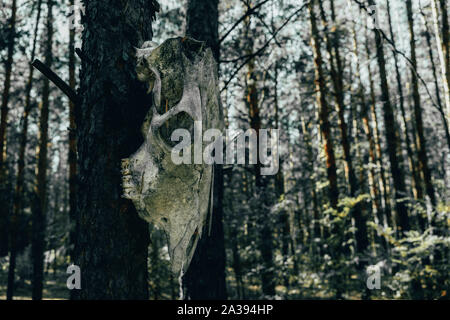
[54, 288]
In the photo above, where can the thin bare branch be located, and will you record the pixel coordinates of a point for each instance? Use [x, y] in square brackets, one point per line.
[260, 50]
[396, 51]
[247, 13]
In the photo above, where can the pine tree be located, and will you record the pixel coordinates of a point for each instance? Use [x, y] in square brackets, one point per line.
[112, 241]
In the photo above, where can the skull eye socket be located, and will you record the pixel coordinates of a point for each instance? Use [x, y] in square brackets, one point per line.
[181, 120]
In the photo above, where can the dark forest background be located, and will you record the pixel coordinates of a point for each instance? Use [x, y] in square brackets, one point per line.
[358, 89]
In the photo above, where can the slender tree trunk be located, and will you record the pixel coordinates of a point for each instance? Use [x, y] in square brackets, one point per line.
[264, 226]
[315, 226]
[395, 159]
[325, 126]
[72, 142]
[4, 205]
[384, 181]
[373, 185]
[7, 85]
[445, 36]
[280, 193]
[17, 209]
[205, 278]
[236, 264]
[12, 263]
[421, 141]
[112, 241]
[416, 181]
[443, 47]
[435, 78]
[332, 46]
[266, 241]
[72, 158]
[40, 205]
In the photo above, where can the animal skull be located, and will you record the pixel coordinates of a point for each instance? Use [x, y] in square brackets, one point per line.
[182, 77]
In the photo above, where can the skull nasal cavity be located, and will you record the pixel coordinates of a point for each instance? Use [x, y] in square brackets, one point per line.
[181, 120]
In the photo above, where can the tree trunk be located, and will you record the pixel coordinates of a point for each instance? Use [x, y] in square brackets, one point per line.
[112, 241]
[443, 47]
[421, 141]
[266, 237]
[205, 278]
[202, 23]
[72, 141]
[236, 264]
[395, 159]
[384, 181]
[332, 45]
[4, 205]
[7, 87]
[284, 221]
[373, 185]
[325, 128]
[39, 202]
[325, 125]
[22, 148]
[435, 79]
[265, 243]
[416, 182]
[315, 227]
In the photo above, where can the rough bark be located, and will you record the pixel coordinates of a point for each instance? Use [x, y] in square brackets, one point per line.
[111, 243]
[202, 23]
